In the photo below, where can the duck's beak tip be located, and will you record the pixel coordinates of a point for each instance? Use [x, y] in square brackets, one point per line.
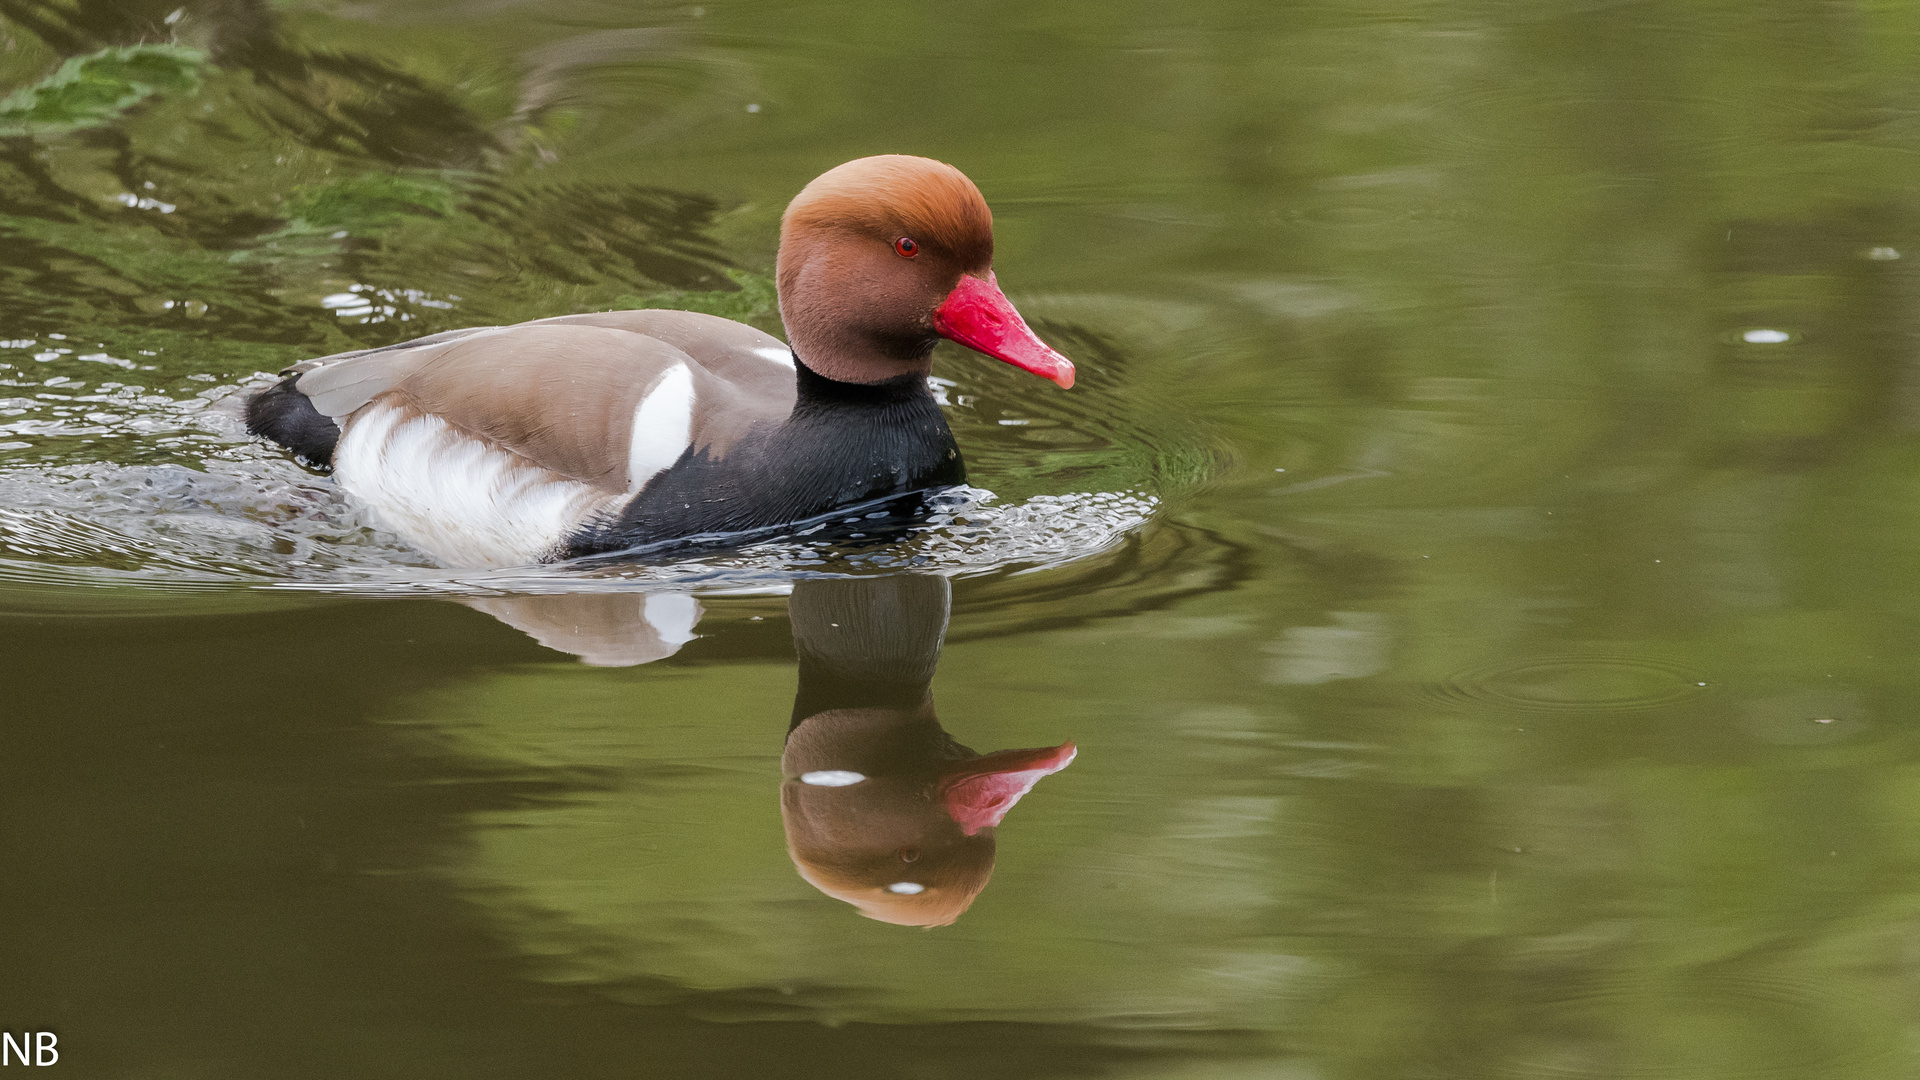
[978, 315]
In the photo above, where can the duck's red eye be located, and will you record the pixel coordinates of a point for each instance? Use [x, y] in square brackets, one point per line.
[906, 247]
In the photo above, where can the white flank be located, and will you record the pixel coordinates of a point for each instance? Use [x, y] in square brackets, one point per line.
[672, 616]
[464, 501]
[662, 426]
[779, 354]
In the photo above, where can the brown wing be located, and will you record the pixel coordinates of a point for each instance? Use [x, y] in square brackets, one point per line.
[733, 351]
[563, 393]
[340, 384]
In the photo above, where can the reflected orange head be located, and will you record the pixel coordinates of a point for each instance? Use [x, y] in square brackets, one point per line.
[890, 828]
[905, 837]
[950, 870]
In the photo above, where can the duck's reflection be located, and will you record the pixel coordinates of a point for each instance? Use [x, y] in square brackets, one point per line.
[882, 808]
[608, 629]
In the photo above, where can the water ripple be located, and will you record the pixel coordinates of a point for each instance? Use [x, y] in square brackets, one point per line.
[115, 486]
[1721, 1002]
[1571, 683]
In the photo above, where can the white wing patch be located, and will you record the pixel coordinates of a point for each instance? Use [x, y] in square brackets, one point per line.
[779, 354]
[662, 426]
[465, 501]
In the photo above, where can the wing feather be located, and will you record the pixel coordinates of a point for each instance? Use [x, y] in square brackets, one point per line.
[564, 393]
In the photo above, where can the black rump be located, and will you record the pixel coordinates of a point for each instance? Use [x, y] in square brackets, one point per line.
[284, 415]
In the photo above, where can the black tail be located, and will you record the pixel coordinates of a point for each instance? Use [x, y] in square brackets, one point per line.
[284, 415]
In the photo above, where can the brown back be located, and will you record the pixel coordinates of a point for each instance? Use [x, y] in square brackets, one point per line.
[562, 392]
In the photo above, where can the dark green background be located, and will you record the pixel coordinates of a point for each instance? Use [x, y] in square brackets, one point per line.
[1486, 740]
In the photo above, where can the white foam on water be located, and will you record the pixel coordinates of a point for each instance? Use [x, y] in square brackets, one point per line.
[112, 483]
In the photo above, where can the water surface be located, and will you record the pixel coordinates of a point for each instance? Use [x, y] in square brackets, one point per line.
[1476, 567]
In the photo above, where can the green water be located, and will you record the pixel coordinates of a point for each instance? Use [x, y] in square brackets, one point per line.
[1479, 566]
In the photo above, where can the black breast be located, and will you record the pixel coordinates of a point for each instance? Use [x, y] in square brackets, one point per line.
[844, 443]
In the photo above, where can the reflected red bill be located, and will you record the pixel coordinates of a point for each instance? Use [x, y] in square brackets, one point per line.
[979, 793]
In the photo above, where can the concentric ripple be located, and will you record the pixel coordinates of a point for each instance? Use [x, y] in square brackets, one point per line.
[1574, 683]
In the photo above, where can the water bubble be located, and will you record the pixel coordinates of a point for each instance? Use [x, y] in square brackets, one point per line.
[1765, 337]
[906, 888]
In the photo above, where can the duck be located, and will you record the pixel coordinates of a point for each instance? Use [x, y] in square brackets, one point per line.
[882, 808]
[612, 431]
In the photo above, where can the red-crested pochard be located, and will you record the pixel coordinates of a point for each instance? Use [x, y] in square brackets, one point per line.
[545, 440]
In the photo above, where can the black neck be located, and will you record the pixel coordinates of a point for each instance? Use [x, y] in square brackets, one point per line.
[867, 643]
[816, 391]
